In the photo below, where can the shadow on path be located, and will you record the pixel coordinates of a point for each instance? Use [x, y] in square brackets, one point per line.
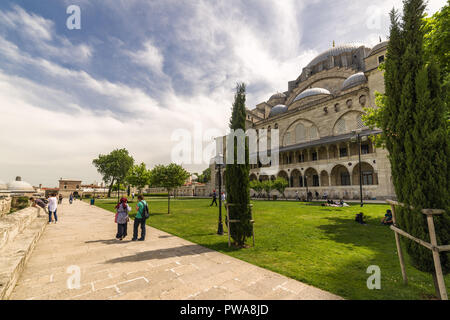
[162, 254]
[110, 241]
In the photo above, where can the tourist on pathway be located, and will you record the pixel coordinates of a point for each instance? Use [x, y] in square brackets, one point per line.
[214, 195]
[60, 199]
[39, 203]
[122, 210]
[52, 208]
[140, 218]
[297, 196]
[71, 198]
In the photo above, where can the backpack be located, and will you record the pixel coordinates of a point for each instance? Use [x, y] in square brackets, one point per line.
[146, 213]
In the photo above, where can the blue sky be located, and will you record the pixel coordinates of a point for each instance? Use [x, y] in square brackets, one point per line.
[138, 71]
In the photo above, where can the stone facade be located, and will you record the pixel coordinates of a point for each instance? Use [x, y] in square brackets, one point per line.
[67, 187]
[5, 205]
[321, 129]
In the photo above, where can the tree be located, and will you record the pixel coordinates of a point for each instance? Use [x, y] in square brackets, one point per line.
[280, 184]
[237, 176]
[257, 186]
[114, 167]
[415, 134]
[169, 177]
[436, 46]
[205, 176]
[268, 187]
[139, 176]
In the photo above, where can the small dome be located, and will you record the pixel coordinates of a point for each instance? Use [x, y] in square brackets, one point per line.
[378, 47]
[20, 186]
[3, 186]
[354, 80]
[278, 95]
[279, 109]
[312, 92]
[334, 52]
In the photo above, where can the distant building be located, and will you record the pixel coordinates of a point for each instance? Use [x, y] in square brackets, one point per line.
[67, 187]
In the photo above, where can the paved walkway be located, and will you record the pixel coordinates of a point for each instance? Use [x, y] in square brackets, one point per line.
[162, 267]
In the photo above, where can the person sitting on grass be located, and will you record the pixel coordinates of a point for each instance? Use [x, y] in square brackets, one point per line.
[387, 219]
[360, 218]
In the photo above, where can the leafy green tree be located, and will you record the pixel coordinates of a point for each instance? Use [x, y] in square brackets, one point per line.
[280, 184]
[205, 176]
[169, 177]
[114, 167]
[139, 176]
[237, 176]
[257, 186]
[268, 187]
[436, 46]
[414, 129]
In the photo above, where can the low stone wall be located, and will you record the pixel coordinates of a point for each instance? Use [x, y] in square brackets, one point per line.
[5, 205]
[19, 233]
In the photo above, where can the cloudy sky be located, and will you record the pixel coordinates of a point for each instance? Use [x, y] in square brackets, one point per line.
[139, 72]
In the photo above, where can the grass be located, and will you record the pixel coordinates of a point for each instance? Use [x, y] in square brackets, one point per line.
[320, 246]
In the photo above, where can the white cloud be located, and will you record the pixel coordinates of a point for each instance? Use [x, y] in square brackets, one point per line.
[149, 57]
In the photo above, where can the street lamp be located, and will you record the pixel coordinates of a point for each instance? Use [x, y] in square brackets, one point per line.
[358, 140]
[219, 166]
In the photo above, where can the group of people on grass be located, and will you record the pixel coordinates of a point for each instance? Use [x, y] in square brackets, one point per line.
[386, 221]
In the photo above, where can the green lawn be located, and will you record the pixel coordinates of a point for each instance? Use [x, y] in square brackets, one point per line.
[317, 245]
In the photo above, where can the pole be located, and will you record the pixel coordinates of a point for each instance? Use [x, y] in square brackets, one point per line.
[360, 171]
[220, 226]
[306, 184]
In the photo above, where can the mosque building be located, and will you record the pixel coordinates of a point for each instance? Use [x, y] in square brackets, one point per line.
[320, 125]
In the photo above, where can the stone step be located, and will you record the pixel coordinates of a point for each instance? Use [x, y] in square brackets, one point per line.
[15, 255]
[13, 224]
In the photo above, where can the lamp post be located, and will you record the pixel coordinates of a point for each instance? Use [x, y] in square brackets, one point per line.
[358, 140]
[219, 165]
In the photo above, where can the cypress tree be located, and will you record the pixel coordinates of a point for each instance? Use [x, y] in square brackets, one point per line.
[416, 136]
[237, 176]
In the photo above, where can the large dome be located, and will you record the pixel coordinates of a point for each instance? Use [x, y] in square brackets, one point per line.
[279, 109]
[20, 186]
[312, 92]
[333, 52]
[278, 95]
[354, 80]
[378, 47]
[3, 186]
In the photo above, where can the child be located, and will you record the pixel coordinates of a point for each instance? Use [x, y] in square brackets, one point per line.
[122, 210]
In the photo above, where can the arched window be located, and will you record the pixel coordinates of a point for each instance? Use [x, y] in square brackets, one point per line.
[340, 126]
[287, 139]
[359, 122]
[300, 133]
[313, 133]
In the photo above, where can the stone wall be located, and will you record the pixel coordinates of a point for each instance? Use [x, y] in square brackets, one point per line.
[5, 205]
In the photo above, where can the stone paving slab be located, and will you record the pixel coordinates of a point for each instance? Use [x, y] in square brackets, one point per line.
[162, 267]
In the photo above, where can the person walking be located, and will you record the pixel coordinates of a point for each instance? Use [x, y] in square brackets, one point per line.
[71, 198]
[214, 196]
[139, 220]
[122, 210]
[52, 208]
[60, 199]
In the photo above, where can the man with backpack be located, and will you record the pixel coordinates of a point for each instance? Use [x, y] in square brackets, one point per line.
[141, 216]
